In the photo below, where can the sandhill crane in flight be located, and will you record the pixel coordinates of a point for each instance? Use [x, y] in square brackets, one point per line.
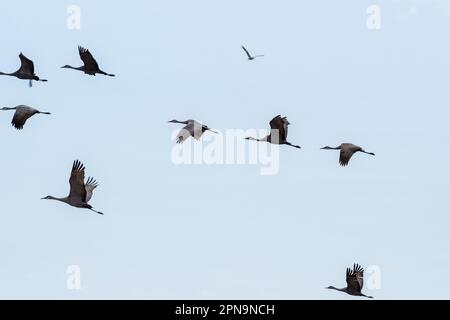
[355, 281]
[347, 151]
[25, 72]
[22, 114]
[90, 65]
[80, 192]
[250, 57]
[278, 134]
[191, 128]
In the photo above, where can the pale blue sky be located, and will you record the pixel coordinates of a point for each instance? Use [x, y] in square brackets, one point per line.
[196, 232]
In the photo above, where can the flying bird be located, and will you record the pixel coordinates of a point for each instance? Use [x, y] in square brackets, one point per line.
[192, 128]
[250, 57]
[278, 134]
[25, 72]
[355, 281]
[90, 65]
[80, 192]
[347, 151]
[22, 114]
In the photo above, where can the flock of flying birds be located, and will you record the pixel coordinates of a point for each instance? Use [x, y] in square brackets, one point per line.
[81, 191]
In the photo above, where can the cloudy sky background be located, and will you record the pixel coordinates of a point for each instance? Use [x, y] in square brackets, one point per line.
[224, 231]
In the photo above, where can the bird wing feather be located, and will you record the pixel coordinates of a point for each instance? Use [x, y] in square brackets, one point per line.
[246, 51]
[88, 59]
[76, 181]
[192, 129]
[345, 156]
[90, 185]
[21, 115]
[355, 279]
[26, 65]
[347, 151]
[280, 124]
[197, 130]
[185, 133]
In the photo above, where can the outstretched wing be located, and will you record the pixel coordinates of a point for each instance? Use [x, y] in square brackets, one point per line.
[355, 279]
[90, 185]
[76, 181]
[280, 124]
[88, 59]
[186, 132]
[248, 54]
[345, 156]
[26, 65]
[21, 115]
[347, 151]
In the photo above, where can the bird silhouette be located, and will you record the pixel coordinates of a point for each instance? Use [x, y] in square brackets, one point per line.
[80, 192]
[90, 66]
[22, 114]
[347, 151]
[192, 128]
[249, 56]
[25, 72]
[355, 281]
[278, 134]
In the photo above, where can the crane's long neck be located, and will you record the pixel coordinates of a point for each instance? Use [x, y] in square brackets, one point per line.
[331, 148]
[6, 74]
[181, 122]
[55, 198]
[82, 68]
[256, 139]
[7, 108]
[338, 289]
[43, 112]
